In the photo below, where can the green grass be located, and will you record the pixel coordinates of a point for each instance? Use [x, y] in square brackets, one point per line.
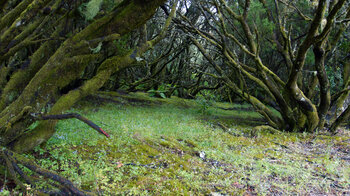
[173, 147]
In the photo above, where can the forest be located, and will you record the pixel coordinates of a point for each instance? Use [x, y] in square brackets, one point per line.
[174, 97]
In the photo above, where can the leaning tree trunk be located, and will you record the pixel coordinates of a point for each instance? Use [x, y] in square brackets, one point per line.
[45, 48]
[37, 82]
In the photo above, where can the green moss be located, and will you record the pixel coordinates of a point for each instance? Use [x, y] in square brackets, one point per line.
[22, 77]
[145, 156]
[25, 12]
[13, 14]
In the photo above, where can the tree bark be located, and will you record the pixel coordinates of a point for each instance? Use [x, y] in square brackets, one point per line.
[48, 75]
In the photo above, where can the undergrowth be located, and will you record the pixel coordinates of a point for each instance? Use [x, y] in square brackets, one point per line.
[170, 147]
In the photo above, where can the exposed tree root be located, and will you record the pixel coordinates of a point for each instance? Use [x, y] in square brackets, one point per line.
[12, 161]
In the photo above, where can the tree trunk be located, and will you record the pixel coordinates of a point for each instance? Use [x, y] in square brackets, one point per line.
[56, 64]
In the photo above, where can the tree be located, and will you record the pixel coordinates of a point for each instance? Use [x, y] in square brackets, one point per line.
[47, 47]
[245, 33]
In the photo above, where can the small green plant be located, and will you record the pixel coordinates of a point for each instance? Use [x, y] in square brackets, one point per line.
[204, 105]
[4, 192]
[161, 91]
[156, 93]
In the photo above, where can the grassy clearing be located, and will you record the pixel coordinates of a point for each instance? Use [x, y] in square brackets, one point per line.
[175, 147]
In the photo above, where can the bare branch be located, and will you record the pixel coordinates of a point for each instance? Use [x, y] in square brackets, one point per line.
[71, 115]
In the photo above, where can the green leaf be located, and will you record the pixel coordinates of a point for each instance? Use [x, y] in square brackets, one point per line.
[162, 95]
[152, 94]
[151, 91]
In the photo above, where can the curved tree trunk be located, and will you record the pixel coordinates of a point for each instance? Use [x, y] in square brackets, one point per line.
[235, 37]
[39, 81]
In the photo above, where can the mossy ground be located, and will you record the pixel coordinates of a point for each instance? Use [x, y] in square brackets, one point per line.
[185, 147]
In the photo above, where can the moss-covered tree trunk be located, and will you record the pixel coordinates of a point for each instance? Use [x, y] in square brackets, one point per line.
[242, 39]
[43, 53]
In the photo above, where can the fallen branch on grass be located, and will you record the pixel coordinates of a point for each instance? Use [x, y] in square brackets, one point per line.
[71, 115]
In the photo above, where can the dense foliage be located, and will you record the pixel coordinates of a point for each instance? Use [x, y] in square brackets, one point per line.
[290, 56]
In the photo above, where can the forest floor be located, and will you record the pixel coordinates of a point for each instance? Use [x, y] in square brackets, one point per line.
[191, 147]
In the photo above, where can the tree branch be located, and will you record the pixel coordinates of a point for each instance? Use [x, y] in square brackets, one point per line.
[69, 116]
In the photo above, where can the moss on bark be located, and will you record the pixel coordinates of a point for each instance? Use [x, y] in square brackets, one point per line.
[10, 17]
[67, 64]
